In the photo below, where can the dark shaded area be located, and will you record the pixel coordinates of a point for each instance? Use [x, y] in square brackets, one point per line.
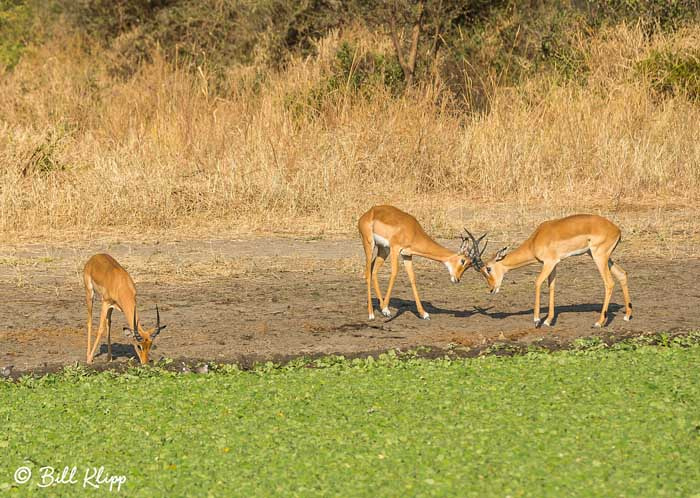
[192, 366]
[474, 45]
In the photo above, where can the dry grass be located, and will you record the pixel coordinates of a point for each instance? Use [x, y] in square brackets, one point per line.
[84, 151]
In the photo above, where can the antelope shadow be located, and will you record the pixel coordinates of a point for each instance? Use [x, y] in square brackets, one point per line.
[405, 305]
[558, 310]
[118, 351]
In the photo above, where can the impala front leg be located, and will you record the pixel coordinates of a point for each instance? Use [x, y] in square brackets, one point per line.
[392, 279]
[551, 281]
[100, 330]
[546, 270]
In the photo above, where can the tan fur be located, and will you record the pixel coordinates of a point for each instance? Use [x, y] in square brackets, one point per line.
[103, 274]
[406, 239]
[556, 240]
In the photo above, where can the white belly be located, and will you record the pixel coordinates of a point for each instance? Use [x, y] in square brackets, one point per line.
[380, 241]
[577, 252]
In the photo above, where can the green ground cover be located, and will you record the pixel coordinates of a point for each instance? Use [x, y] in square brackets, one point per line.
[620, 421]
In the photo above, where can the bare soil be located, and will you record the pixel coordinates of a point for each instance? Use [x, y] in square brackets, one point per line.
[267, 298]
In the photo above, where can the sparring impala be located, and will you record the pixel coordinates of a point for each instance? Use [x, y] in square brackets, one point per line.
[398, 235]
[554, 241]
[103, 274]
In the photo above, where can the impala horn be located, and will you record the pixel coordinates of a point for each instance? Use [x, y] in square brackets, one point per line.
[474, 252]
[159, 327]
[135, 330]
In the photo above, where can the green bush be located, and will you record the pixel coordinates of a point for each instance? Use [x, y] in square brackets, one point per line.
[673, 73]
[352, 71]
[15, 30]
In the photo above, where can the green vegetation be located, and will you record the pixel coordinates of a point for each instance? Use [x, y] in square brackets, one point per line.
[498, 39]
[15, 31]
[594, 421]
[674, 73]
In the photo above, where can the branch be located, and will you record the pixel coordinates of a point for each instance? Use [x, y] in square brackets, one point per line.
[395, 40]
[415, 37]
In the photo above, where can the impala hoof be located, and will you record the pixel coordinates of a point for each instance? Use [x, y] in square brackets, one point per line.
[627, 318]
[597, 325]
[386, 312]
[547, 323]
[371, 316]
[425, 316]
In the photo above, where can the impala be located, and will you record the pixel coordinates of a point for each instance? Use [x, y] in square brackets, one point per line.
[103, 274]
[398, 234]
[554, 241]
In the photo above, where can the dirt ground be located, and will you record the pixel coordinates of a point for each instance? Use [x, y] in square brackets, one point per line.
[263, 298]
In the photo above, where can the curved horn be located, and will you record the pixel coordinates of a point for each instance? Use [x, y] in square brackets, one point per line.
[474, 253]
[159, 327]
[483, 248]
[137, 336]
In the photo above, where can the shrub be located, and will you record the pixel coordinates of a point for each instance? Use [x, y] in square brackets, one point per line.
[673, 73]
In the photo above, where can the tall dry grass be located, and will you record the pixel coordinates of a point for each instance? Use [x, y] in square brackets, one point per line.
[83, 150]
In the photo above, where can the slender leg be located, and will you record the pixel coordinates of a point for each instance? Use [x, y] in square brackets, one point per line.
[367, 244]
[100, 330]
[394, 270]
[546, 270]
[89, 294]
[551, 281]
[382, 253]
[601, 261]
[109, 334]
[408, 265]
[621, 276]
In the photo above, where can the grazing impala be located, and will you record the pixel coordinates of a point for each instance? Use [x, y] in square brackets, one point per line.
[553, 241]
[398, 234]
[103, 274]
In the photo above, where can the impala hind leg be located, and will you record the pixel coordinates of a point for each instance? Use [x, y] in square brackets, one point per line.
[369, 249]
[394, 270]
[544, 274]
[382, 253]
[551, 281]
[621, 276]
[408, 265]
[100, 330]
[89, 295]
[601, 261]
[109, 333]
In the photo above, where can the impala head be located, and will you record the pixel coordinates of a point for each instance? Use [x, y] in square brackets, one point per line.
[494, 270]
[143, 339]
[464, 258]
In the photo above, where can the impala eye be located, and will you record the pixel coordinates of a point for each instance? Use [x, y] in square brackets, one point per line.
[488, 269]
[462, 261]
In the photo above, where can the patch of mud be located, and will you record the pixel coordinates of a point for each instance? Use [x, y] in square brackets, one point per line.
[308, 305]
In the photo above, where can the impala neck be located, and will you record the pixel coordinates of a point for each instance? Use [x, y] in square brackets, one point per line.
[521, 256]
[430, 249]
[128, 310]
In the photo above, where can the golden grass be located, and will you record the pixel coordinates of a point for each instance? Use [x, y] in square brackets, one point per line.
[83, 151]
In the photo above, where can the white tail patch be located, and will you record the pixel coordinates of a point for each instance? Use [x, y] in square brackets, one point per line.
[380, 241]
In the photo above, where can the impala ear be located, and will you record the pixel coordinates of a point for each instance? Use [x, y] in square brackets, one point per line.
[501, 253]
[132, 334]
